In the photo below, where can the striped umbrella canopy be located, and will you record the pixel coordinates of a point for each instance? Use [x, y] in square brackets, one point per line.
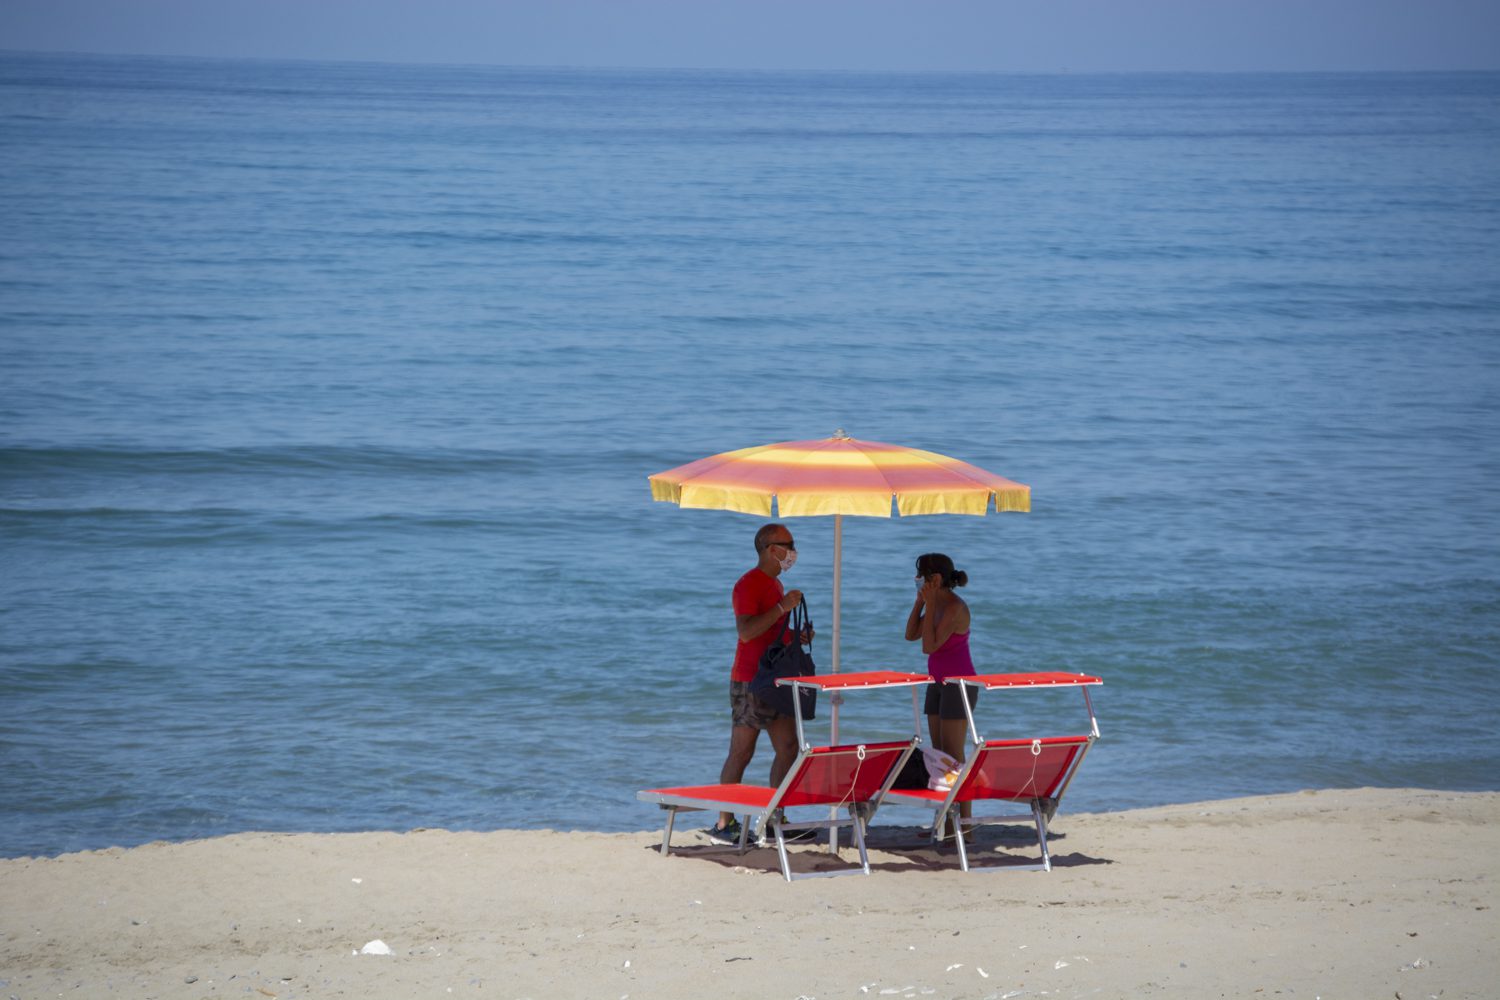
[837, 476]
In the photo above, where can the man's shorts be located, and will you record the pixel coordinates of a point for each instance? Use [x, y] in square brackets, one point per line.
[943, 700]
[748, 710]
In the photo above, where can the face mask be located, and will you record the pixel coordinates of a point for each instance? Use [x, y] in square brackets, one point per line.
[921, 582]
[789, 561]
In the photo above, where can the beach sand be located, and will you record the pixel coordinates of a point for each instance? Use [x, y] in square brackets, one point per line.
[1369, 893]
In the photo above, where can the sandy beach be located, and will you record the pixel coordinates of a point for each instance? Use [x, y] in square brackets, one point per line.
[1364, 893]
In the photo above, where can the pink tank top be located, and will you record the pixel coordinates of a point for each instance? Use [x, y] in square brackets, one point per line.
[951, 659]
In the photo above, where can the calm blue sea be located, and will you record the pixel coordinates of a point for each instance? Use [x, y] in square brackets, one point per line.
[328, 393]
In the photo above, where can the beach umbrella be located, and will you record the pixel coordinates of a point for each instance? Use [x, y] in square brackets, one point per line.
[837, 476]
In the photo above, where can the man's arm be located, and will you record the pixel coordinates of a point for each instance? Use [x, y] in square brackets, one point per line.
[750, 626]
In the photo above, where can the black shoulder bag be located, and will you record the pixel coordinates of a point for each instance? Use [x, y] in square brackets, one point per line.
[785, 657]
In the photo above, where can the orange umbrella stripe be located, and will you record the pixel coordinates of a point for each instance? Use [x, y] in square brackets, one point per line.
[806, 481]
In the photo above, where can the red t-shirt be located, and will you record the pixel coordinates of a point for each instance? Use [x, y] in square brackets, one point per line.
[755, 594]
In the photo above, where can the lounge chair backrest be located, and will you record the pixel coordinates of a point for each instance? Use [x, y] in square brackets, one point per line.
[1022, 769]
[838, 774]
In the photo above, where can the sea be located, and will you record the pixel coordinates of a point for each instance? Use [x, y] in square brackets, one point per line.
[329, 393]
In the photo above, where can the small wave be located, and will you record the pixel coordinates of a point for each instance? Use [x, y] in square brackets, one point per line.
[583, 455]
[214, 526]
[433, 237]
[308, 459]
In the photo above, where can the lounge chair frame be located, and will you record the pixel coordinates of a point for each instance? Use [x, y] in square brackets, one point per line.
[1042, 802]
[828, 776]
[988, 773]
[835, 685]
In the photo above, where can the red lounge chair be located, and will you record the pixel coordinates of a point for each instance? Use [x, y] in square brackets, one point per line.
[1031, 772]
[855, 777]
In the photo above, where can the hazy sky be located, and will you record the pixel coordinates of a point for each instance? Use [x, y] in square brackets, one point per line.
[1006, 35]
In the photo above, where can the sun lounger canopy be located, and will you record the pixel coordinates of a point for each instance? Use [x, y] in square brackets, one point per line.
[859, 679]
[1045, 679]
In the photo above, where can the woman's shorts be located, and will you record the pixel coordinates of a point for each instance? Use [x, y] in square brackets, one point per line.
[943, 700]
[748, 710]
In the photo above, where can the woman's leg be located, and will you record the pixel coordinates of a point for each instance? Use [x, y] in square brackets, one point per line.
[955, 743]
[953, 739]
[948, 735]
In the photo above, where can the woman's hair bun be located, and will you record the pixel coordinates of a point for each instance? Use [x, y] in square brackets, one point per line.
[936, 562]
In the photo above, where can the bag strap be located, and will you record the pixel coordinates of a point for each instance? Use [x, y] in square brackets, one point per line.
[798, 620]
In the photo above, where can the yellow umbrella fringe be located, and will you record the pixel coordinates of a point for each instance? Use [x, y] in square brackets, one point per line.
[824, 505]
[663, 490]
[714, 498]
[1013, 500]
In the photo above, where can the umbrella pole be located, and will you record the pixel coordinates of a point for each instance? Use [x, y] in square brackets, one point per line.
[838, 576]
[837, 580]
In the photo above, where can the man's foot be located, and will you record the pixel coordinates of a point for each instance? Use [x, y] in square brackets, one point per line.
[768, 839]
[725, 834]
[790, 836]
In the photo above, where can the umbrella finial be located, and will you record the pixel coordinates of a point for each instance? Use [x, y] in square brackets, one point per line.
[839, 435]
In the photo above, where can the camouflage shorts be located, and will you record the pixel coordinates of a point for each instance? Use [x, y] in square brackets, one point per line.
[748, 710]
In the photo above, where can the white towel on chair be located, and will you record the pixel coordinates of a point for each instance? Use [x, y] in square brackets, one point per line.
[942, 770]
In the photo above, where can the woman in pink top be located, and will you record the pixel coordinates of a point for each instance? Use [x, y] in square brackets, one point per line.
[940, 619]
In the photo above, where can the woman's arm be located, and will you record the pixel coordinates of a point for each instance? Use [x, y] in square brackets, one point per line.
[935, 633]
[914, 621]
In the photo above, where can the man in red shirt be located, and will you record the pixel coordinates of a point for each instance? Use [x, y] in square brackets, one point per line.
[760, 610]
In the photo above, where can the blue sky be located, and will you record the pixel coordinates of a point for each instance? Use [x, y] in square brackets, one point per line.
[1001, 35]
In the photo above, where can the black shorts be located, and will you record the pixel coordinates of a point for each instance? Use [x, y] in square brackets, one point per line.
[942, 700]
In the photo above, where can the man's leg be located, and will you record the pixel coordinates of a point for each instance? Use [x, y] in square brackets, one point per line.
[741, 750]
[783, 733]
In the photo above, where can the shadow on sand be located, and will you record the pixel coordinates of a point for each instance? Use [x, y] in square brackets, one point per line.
[891, 848]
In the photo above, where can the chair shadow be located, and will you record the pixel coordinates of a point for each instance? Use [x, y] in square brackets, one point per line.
[911, 850]
[999, 845]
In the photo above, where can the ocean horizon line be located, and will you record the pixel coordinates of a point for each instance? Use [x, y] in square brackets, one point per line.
[754, 70]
